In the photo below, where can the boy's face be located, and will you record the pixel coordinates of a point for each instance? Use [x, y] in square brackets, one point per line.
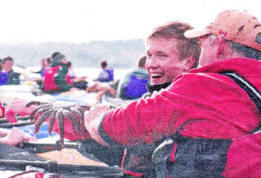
[7, 66]
[163, 63]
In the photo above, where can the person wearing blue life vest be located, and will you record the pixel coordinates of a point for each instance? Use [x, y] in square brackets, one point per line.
[45, 63]
[134, 84]
[107, 74]
[7, 74]
[3, 78]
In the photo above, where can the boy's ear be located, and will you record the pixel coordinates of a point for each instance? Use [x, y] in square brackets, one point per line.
[189, 62]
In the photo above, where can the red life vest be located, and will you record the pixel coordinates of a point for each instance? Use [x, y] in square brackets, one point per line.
[49, 83]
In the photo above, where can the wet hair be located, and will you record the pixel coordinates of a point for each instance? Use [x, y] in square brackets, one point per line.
[7, 59]
[187, 47]
[142, 61]
[245, 51]
[104, 64]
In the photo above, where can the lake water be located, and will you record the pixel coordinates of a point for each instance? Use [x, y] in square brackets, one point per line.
[92, 73]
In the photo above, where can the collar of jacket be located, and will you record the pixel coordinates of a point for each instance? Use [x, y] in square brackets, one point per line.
[158, 87]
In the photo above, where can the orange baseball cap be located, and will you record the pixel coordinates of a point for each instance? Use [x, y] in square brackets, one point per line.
[234, 25]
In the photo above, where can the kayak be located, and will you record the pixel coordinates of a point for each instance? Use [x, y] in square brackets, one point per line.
[8, 93]
[72, 160]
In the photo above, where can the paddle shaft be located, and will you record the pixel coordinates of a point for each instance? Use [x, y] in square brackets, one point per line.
[52, 166]
[44, 147]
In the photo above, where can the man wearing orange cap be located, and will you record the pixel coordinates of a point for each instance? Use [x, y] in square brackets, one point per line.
[232, 43]
[202, 110]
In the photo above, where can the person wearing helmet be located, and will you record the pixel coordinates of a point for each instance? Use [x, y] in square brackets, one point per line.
[201, 112]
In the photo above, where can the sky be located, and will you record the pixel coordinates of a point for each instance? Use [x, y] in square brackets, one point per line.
[79, 21]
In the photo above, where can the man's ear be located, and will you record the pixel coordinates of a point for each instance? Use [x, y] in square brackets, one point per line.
[221, 46]
[189, 62]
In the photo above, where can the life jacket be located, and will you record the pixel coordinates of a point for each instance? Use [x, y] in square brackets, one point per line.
[136, 87]
[49, 83]
[181, 156]
[3, 78]
[43, 71]
[110, 73]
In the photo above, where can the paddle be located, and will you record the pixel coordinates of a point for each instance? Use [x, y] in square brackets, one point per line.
[73, 169]
[13, 158]
[45, 147]
[88, 148]
[19, 118]
[22, 121]
[18, 124]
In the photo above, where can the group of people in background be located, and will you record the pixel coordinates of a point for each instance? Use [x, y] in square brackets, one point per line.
[57, 75]
[202, 108]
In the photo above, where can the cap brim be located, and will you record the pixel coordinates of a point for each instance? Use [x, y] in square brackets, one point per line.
[194, 33]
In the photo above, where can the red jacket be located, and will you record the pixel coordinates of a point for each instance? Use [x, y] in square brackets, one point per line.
[205, 103]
